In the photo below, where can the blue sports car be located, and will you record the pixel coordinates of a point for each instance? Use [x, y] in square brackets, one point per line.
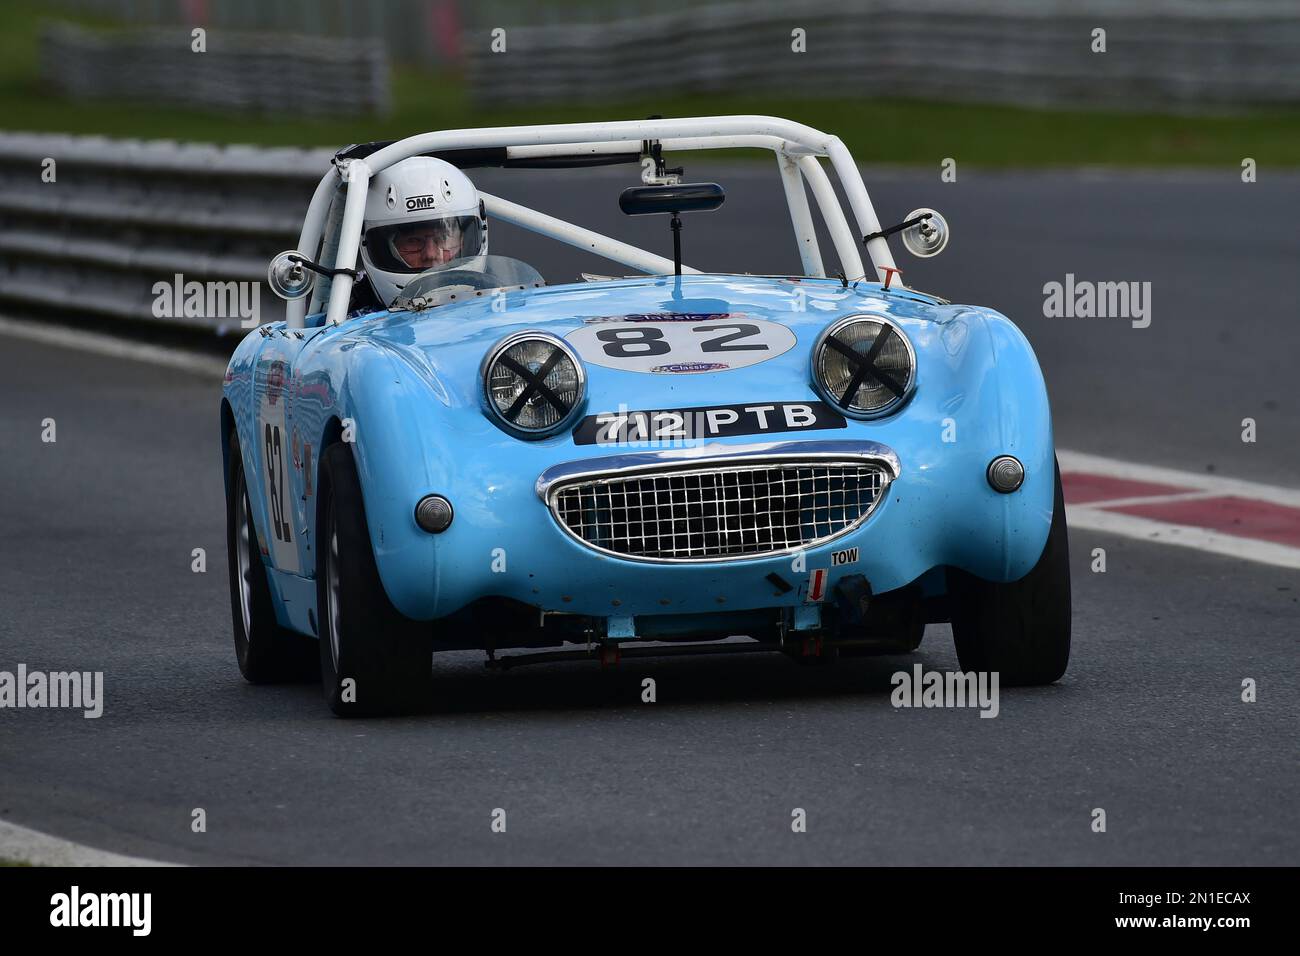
[436, 450]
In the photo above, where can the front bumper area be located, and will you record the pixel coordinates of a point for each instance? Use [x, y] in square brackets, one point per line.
[505, 543]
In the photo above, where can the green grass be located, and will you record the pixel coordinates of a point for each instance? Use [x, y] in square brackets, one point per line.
[4, 862]
[875, 131]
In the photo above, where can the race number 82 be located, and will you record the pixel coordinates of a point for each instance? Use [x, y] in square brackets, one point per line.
[672, 346]
[274, 455]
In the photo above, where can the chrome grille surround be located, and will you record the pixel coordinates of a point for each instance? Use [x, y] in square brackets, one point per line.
[739, 502]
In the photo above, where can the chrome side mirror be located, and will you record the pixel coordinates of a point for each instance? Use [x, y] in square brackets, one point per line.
[287, 277]
[927, 237]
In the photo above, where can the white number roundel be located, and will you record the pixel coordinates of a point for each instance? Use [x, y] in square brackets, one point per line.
[681, 347]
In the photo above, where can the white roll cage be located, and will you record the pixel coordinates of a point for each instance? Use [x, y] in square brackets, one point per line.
[797, 149]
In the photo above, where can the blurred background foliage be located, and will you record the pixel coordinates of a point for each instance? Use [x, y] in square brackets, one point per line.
[429, 90]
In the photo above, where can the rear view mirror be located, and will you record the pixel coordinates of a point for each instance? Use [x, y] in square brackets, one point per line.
[674, 198]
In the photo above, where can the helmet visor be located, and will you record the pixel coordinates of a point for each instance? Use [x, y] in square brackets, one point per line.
[413, 247]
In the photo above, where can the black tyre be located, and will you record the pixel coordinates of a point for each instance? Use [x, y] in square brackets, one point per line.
[267, 652]
[1020, 629]
[373, 660]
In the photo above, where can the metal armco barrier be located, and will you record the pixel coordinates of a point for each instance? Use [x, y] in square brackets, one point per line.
[1162, 54]
[123, 215]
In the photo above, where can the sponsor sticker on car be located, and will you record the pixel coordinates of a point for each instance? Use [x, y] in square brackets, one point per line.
[817, 586]
[717, 421]
[668, 317]
[688, 367]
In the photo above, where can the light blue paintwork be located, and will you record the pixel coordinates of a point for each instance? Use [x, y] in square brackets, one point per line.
[409, 383]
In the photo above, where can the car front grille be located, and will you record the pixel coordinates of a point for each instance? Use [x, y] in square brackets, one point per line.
[727, 511]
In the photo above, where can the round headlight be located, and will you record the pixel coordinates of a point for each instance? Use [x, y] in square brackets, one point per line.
[533, 383]
[864, 366]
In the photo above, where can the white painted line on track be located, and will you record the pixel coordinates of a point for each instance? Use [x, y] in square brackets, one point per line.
[18, 843]
[1151, 499]
[1191, 480]
[1099, 515]
[101, 344]
[1200, 539]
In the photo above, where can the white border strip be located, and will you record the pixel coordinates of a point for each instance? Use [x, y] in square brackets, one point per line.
[23, 845]
[1202, 539]
[1192, 486]
[101, 344]
[1186, 480]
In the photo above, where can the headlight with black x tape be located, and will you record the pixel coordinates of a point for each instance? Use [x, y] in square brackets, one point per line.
[864, 366]
[533, 384]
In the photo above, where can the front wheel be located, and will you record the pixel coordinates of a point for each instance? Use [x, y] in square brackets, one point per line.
[1020, 629]
[373, 659]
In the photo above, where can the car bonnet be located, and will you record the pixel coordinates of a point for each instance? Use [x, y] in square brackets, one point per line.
[660, 339]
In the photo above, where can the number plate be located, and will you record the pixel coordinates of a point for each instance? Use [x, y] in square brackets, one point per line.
[719, 421]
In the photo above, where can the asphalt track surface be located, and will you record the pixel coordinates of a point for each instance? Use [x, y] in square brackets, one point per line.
[98, 529]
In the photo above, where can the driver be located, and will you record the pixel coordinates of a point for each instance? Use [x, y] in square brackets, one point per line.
[426, 245]
[421, 214]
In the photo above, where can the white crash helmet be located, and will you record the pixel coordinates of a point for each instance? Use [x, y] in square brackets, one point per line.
[410, 204]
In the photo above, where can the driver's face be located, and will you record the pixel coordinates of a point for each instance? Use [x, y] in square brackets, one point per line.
[424, 247]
